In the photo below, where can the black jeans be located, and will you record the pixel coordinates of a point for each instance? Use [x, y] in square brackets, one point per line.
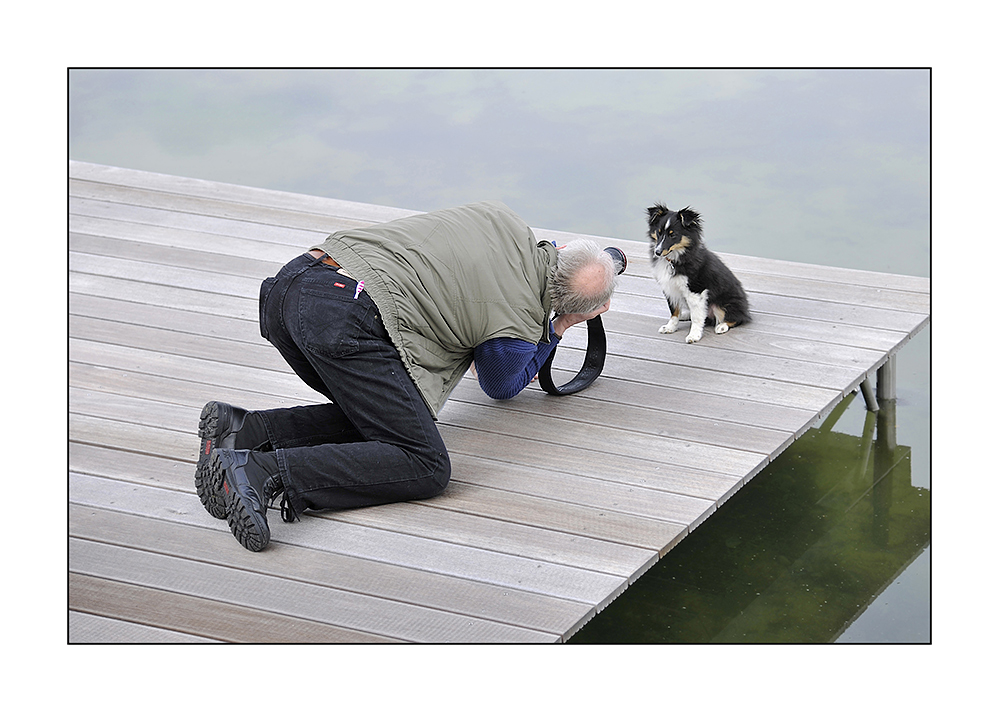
[376, 441]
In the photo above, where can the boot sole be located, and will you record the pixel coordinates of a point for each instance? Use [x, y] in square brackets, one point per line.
[207, 482]
[247, 525]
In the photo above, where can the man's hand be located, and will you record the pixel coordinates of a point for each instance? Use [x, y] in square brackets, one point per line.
[564, 321]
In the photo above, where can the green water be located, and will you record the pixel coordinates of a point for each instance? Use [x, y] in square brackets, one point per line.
[821, 166]
[794, 557]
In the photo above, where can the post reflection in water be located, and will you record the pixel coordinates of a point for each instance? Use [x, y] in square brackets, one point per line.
[795, 556]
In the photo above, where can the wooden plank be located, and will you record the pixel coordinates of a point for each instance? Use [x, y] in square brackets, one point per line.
[647, 469]
[204, 617]
[775, 342]
[650, 400]
[316, 604]
[114, 175]
[633, 418]
[668, 399]
[897, 292]
[256, 355]
[111, 380]
[600, 494]
[529, 510]
[877, 334]
[532, 427]
[181, 204]
[189, 278]
[165, 318]
[819, 290]
[532, 536]
[85, 628]
[154, 256]
[86, 234]
[760, 303]
[230, 330]
[128, 291]
[580, 521]
[169, 219]
[639, 264]
[776, 381]
[136, 412]
[114, 268]
[840, 275]
[713, 354]
[326, 533]
[189, 368]
[652, 472]
[331, 208]
[186, 278]
[129, 437]
[786, 327]
[105, 419]
[684, 427]
[505, 605]
[223, 331]
[718, 383]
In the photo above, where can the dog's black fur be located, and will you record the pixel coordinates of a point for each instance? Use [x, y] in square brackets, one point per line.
[692, 276]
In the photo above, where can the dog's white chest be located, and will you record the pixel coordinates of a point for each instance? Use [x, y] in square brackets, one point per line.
[674, 286]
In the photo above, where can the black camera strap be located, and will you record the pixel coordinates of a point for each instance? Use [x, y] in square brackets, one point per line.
[596, 347]
[593, 362]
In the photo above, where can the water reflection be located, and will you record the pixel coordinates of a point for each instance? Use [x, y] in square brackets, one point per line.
[795, 556]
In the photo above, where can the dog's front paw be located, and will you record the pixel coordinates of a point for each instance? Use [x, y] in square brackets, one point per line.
[692, 337]
[721, 327]
[670, 327]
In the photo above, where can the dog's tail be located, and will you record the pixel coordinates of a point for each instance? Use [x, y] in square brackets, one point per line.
[737, 312]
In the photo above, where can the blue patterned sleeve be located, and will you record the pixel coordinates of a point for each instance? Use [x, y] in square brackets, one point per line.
[506, 366]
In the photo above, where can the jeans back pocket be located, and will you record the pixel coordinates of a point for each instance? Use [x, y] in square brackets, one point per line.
[265, 292]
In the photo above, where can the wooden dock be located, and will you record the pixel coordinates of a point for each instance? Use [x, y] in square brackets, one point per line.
[556, 504]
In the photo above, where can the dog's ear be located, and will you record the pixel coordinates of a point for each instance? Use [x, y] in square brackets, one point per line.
[657, 211]
[689, 219]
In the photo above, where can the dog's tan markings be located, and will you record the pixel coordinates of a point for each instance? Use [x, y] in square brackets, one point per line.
[680, 247]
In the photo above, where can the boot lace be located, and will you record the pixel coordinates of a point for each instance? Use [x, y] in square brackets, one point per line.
[272, 488]
[287, 511]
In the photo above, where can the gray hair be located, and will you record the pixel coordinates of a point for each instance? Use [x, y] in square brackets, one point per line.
[584, 279]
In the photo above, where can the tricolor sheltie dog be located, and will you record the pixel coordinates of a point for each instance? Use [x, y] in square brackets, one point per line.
[692, 277]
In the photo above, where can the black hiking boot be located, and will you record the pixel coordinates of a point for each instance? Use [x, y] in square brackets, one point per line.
[249, 482]
[218, 427]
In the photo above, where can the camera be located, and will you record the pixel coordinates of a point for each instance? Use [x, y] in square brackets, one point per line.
[620, 259]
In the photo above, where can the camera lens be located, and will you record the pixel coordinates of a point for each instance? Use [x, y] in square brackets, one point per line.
[620, 259]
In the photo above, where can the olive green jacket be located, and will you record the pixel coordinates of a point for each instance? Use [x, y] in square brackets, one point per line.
[445, 282]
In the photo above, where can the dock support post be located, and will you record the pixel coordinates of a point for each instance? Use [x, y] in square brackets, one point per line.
[869, 399]
[885, 386]
[886, 380]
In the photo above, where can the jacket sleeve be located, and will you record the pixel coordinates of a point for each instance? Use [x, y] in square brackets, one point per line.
[506, 366]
